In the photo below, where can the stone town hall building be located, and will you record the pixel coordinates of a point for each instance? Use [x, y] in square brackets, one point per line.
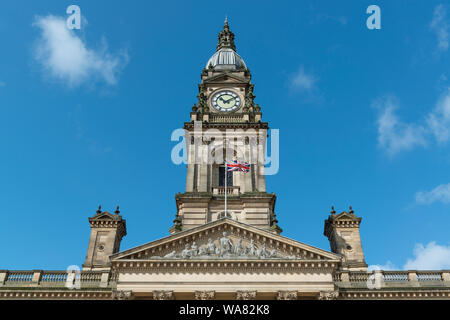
[212, 253]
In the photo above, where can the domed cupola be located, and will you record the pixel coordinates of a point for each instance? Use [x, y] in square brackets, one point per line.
[226, 57]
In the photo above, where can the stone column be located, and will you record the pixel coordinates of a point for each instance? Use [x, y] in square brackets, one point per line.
[205, 295]
[246, 295]
[163, 295]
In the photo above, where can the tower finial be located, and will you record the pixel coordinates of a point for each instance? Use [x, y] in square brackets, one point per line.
[226, 37]
[117, 210]
[99, 210]
[350, 209]
[333, 212]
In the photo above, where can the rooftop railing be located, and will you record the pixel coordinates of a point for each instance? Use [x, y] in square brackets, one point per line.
[46, 278]
[394, 279]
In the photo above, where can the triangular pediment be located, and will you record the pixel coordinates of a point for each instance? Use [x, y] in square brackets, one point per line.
[105, 215]
[344, 215]
[226, 78]
[225, 239]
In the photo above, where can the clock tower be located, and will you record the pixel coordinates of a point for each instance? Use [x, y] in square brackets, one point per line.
[225, 125]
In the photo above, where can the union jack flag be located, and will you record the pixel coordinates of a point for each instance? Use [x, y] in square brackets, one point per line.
[238, 166]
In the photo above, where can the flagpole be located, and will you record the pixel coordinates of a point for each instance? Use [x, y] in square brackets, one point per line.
[226, 176]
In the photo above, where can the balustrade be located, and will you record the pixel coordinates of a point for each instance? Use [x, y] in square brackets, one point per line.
[230, 190]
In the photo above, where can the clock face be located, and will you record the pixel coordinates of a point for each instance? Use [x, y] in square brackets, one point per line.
[226, 101]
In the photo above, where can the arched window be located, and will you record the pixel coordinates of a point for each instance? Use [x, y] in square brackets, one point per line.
[222, 172]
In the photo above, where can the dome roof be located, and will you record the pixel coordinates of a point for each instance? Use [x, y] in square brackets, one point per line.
[226, 59]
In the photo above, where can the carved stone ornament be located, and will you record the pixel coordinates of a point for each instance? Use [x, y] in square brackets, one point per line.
[328, 295]
[287, 295]
[245, 295]
[162, 295]
[224, 248]
[204, 295]
[122, 294]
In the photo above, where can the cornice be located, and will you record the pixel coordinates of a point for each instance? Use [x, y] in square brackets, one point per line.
[225, 266]
[409, 293]
[222, 125]
[26, 293]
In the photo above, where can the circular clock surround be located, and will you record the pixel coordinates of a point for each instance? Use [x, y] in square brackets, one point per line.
[226, 101]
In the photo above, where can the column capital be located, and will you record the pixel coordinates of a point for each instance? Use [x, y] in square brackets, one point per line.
[122, 294]
[245, 295]
[287, 295]
[163, 295]
[205, 295]
[328, 295]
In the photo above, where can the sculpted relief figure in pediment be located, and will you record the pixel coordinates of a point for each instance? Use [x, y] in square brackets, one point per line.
[225, 248]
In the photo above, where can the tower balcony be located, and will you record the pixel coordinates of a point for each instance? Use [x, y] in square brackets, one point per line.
[220, 191]
[228, 118]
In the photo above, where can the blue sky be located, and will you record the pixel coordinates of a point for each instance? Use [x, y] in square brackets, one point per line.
[364, 119]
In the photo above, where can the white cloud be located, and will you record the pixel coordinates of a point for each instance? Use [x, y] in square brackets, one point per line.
[303, 81]
[439, 120]
[440, 193]
[429, 257]
[440, 26]
[67, 58]
[388, 266]
[394, 135]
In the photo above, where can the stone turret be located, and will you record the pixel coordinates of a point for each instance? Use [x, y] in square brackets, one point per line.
[107, 231]
[342, 230]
